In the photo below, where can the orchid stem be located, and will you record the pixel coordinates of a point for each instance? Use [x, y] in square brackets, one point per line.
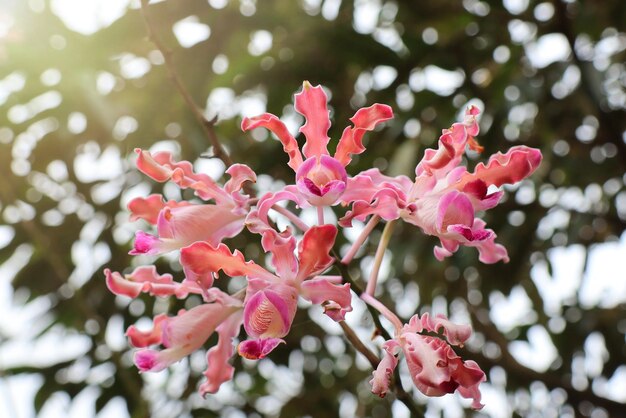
[292, 217]
[320, 215]
[369, 227]
[386, 312]
[378, 259]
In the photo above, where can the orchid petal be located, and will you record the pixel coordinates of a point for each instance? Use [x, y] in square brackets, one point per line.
[364, 120]
[145, 279]
[219, 370]
[518, 163]
[183, 334]
[153, 336]
[381, 377]
[148, 208]
[257, 220]
[258, 349]
[335, 298]
[279, 129]
[454, 208]
[366, 184]
[314, 249]
[239, 174]
[282, 247]
[455, 334]
[185, 225]
[202, 258]
[268, 313]
[311, 103]
[161, 167]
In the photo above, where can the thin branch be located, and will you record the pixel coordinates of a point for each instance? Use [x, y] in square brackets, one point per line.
[208, 126]
[358, 344]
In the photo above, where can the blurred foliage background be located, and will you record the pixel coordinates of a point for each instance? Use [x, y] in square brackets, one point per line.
[81, 86]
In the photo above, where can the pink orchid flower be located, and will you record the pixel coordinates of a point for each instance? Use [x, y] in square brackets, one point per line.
[320, 178]
[271, 298]
[444, 198]
[181, 224]
[186, 332]
[434, 367]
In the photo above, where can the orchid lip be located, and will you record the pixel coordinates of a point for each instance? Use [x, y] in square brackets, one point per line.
[322, 180]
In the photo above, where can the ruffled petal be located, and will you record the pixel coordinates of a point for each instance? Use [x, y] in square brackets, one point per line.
[162, 167]
[201, 258]
[314, 249]
[145, 279]
[335, 298]
[147, 338]
[148, 208]
[239, 174]
[219, 370]
[518, 163]
[364, 120]
[311, 103]
[184, 334]
[279, 129]
[381, 377]
[185, 225]
[455, 334]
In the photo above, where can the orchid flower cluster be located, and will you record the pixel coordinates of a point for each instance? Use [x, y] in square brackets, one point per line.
[442, 200]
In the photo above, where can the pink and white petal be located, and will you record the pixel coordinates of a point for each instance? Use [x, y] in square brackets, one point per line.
[518, 163]
[202, 258]
[366, 184]
[470, 376]
[281, 246]
[477, 191]
[454, 208]
[147, 208]
[364, 120]
[154, 169]
[148, 244]
[311, 103]
[141, 339]
[182, 335]
[239, 174]
[314, 249]
[335, 298]
[219, 370]
[258, 349]
[187, 224]
[257, 220]
[489, 252]
[381, 377]
[271, 122]
[121, 286]
[427, 359]
[145, 279]
[441, 252]
[162, 167]
[268, 313]
[386, 203]
[456, 334]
